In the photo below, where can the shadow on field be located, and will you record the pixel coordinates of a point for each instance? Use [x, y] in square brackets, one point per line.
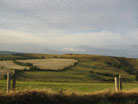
[40, 97]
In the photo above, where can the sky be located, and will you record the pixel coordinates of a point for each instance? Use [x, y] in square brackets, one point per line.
[105, 27]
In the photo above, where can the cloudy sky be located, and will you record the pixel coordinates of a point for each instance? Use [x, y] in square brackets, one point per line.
[107, 27]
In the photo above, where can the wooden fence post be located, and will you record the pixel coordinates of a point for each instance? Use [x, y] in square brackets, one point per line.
[116, 84]
[14, 80]
[8, 81]
[120, 82]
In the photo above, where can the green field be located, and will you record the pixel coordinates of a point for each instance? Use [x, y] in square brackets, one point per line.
[69, 87]
[90, 68]
[91, 73]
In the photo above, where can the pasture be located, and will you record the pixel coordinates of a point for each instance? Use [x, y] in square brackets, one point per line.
[69, 76]
[82, 88]
[88, 69]
[84, 73]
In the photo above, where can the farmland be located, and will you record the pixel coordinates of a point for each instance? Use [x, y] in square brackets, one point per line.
[90, 68]
[69, 76]
[51, 64]
[90, 73]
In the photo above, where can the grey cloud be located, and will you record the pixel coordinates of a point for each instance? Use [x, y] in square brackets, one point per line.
[69, 15]
[134, 46]
[122, 52]
[52, 51]
[23, 47]
[105, 26]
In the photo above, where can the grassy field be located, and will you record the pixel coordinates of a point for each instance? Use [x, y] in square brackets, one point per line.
[82, 88]
[76, 84]
[88, 69]
[91, 73]
[51, 64]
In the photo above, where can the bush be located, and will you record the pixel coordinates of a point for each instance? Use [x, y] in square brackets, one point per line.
[137, 75]
[113, 64]
[34, 68]
[23, 64]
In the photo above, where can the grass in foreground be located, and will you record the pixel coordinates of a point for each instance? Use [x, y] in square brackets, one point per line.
[42, 97]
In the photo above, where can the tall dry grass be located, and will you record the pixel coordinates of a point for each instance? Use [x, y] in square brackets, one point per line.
[48, 97]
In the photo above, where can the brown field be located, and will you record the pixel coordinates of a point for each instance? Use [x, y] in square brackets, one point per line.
[51, 64]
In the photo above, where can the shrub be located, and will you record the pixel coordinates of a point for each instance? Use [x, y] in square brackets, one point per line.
[113, 64]
[34, 68]
[137, 75]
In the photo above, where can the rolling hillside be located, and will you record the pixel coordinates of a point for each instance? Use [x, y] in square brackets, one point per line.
[90, 68]
[84, 76]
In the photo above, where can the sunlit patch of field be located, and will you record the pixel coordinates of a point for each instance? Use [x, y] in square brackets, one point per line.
[10, 65]
[6, 66]
[51, 64]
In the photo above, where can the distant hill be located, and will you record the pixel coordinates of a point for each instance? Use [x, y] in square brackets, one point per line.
[7, 52]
